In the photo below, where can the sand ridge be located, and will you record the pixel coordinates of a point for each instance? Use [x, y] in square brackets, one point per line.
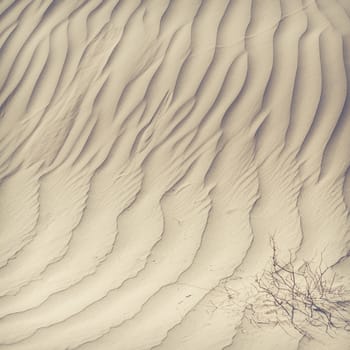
[148, 152]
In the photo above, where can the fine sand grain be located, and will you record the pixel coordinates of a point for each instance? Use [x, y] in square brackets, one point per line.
[160, 159]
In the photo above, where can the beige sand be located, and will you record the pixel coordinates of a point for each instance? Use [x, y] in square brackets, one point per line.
[149, 150]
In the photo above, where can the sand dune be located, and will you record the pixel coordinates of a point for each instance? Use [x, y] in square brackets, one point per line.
[152, 155]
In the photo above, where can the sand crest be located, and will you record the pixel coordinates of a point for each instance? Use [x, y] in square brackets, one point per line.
[174, 174]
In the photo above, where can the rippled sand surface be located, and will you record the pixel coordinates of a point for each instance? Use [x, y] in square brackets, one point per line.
[149, 150]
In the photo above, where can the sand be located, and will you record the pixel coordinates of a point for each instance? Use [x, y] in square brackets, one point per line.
[152, 152]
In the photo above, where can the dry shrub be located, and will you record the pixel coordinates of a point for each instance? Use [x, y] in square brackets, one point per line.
[303, 298]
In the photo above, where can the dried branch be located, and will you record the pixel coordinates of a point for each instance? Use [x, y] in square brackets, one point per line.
[301, 297]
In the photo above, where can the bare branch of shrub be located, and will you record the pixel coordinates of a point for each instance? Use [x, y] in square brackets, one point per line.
[304, 297]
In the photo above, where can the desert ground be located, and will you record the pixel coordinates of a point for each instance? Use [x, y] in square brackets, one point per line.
[174, 174]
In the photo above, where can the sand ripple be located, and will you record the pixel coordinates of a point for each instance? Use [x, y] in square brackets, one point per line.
[148, 151]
